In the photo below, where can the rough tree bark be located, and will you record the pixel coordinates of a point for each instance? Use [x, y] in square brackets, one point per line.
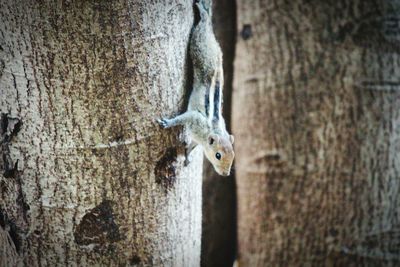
[317, 123]
[218, 244]
[89, 178]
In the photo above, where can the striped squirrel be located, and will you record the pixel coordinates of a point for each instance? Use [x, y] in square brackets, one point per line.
[203, 118]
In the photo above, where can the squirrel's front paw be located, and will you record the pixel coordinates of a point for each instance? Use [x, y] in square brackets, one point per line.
[163, 123]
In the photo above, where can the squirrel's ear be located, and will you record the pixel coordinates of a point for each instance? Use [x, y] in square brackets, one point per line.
[232, 139]
[212, 138]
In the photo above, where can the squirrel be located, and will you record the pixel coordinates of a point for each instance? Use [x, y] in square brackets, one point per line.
[203, 118]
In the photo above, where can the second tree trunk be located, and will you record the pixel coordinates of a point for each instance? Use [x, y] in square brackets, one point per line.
[317, 124]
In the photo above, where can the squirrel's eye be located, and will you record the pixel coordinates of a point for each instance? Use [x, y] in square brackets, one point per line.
[218, 156]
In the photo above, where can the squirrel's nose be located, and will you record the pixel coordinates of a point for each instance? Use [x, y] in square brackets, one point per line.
[225, 173]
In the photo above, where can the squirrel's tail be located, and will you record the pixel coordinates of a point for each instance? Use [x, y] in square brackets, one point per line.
[205, 7]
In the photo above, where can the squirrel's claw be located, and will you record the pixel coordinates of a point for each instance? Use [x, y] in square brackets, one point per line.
[188, 156]
[188, 159]
[188, 153]
[163, 123]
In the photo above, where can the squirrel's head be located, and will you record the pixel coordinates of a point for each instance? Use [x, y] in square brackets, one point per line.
[219, 151]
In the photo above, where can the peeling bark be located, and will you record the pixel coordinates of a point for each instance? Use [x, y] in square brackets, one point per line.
[89, 79]
[317, 127]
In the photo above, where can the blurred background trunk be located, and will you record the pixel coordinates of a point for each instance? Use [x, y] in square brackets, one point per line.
[85, 180]
[218, 244]
[317, 123]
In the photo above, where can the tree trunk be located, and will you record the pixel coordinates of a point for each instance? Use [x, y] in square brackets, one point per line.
[218, 244]
[89, 178]
[317, 125]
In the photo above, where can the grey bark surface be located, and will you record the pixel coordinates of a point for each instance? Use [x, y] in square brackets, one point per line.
[218, 245]
[317, 124]
[90, 178]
